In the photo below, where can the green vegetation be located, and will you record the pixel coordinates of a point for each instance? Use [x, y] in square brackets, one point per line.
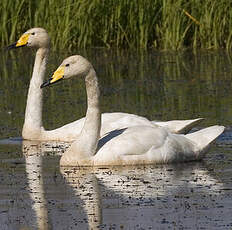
[161, 24]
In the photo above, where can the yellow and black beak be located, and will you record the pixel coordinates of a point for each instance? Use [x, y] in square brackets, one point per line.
[20, 43]
[57, 76]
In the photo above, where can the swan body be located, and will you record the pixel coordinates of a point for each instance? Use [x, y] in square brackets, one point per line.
[33, 126]
[127, 146]
[116, 120]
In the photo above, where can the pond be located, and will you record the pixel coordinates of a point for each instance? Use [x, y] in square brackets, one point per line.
[36, 194]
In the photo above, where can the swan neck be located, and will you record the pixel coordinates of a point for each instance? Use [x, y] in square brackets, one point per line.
[90, 132]
[33, 114]
[92, 90]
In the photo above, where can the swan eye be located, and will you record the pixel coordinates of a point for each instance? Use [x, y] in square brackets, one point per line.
[33, 33]
[67, 65]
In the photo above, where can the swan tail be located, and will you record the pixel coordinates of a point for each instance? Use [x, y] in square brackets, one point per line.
[179, 126]
[205, 137]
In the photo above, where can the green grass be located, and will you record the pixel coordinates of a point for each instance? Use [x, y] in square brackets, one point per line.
[139, 24]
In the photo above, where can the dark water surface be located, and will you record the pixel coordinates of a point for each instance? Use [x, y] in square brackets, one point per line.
[36, 194]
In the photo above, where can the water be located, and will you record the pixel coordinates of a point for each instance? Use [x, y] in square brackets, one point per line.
[36, 194]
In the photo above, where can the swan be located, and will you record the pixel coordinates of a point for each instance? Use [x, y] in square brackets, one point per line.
[127, 146]
[33, 127]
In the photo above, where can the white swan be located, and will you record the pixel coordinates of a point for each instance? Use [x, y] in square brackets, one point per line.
[128, 146]
[33, 127]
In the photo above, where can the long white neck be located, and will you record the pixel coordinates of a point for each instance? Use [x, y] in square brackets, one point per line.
[90, 132]
[33, 114]
[84, 148]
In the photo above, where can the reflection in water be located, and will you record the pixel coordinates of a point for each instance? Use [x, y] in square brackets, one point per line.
[84, 185]
[135, 197]
[88, 195]
[33, 163]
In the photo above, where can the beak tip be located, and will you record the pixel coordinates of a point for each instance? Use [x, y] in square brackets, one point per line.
[12, 46]
[46, 83]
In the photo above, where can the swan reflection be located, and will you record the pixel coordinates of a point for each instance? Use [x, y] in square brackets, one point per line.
[33, 164]
[143, 196]
[119, 197]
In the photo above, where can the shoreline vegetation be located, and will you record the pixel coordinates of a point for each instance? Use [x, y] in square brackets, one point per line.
[123, 24]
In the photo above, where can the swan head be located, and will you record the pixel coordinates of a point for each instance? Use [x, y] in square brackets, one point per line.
[73, 66]
[35, 37]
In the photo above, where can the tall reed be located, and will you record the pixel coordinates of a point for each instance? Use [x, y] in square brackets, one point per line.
[162, 24]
